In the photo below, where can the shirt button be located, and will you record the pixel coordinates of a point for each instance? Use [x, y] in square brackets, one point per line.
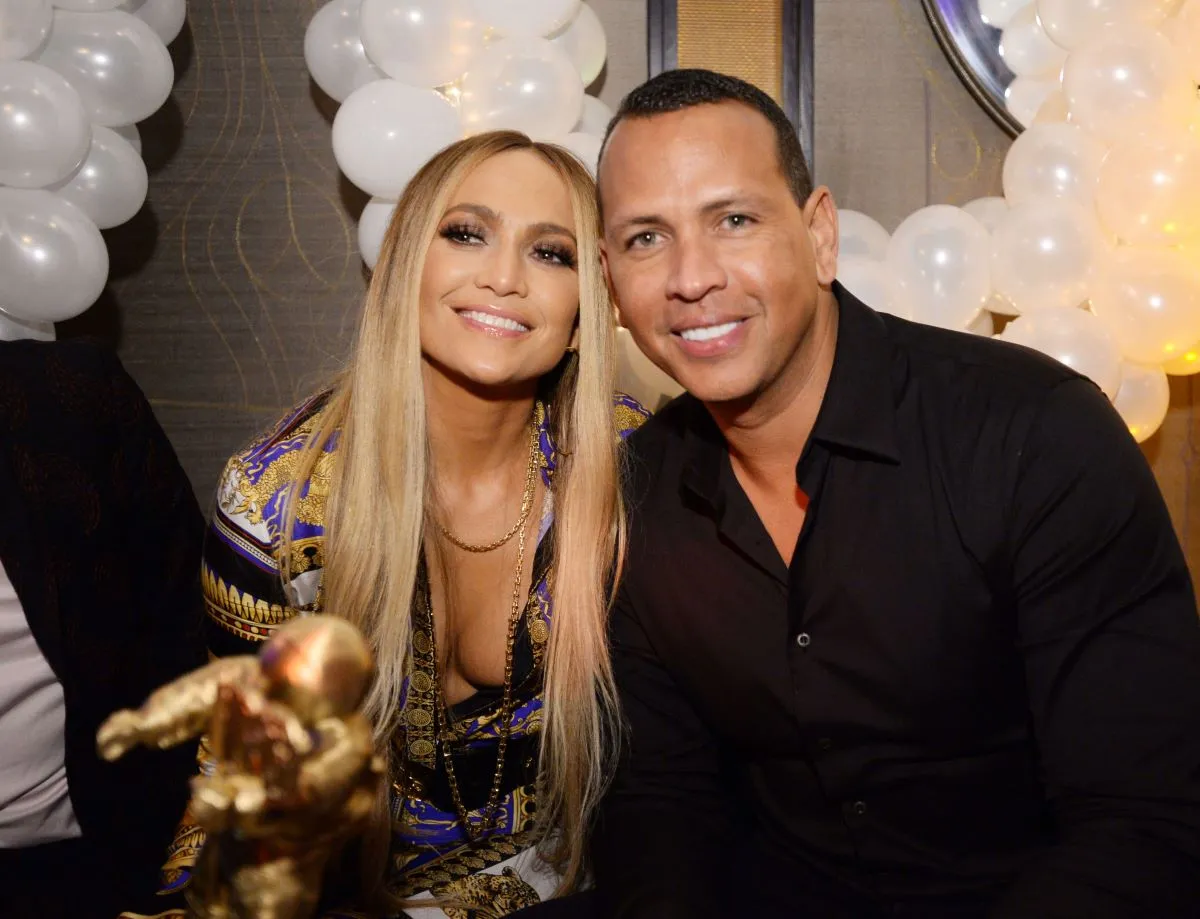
[824, 744]
[855, 810]
[804, 639]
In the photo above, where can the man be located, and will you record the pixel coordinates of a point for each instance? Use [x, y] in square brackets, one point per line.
[99, 605]
[904, 628]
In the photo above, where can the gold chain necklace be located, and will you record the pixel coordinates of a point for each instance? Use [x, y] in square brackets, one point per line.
[526, 500]
[445, 730]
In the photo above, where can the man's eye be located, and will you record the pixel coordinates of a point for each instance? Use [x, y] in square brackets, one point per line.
[737, 221]
[643, 240]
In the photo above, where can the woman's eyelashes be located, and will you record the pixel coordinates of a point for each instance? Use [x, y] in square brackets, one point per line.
[551, 253]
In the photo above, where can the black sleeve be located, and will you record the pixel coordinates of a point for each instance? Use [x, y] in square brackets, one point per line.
[657, 842]
[165, 534]
[1108, 628]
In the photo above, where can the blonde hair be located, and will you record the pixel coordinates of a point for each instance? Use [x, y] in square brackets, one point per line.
[380, 491]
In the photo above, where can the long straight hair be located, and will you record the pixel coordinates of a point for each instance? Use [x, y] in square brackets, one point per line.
[380, 492]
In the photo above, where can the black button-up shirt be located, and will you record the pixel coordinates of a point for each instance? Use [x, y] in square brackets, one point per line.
[974, 692]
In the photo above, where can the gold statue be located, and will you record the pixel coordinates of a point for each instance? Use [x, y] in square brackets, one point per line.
[295, 773]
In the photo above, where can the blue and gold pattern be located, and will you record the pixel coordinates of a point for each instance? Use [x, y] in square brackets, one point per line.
[246, 601]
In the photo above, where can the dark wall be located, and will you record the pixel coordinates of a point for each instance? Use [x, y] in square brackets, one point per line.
[235, 291]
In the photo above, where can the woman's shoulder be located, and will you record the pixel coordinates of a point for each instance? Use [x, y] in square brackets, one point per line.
[628, 414]
[252, 490]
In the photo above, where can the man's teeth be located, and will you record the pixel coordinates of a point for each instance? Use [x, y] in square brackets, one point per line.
[498, 322]
[708, 332]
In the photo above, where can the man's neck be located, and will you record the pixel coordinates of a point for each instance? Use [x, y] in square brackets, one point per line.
[766, 433]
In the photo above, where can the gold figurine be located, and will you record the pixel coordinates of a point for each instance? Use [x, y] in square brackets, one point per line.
[294, 775]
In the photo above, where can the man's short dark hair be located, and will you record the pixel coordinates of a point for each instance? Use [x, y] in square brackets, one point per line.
[675, 90]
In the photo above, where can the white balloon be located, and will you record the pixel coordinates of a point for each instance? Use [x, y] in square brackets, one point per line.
[584, 42]
[1053, 161]
[1028, 50]
[984, 324]
[165, 17]
[1143, 399]
[129, 132]
[938, 262]
[421, 42]
[1072, 23]
[998, 13]
[13, 329]
[1073, 337]
[1044, 253]
[386, 131]
[119, 66]
[586, 148]
[1149, 189]
[1149, 299]
[1184, 32]
[333, 51]
[860, 235]
[524, 84]
[52, 257]
[867, 278]
[987, 211]
[44, 130]
[372, 225]
[1054, 110]
[1025, 97]
[87, 6]
[594, 118]
[531, 18]
[110, 187]
[1128, 80]
[24, 25]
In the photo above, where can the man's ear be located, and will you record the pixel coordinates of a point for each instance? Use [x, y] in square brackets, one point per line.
[821, 220]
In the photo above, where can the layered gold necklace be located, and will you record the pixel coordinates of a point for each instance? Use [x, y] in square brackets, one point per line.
[443, 726]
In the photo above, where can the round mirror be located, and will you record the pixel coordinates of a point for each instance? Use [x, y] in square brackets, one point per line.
[973, 48]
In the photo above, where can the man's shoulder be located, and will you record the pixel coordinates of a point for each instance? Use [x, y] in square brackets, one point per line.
[967, 368]
[666, 429]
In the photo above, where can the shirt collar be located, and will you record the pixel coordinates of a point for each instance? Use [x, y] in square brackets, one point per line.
[857, 416]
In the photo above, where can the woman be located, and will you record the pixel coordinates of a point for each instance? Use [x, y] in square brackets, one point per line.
[455, 495]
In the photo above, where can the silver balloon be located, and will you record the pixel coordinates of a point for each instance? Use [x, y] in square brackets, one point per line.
[13, 329]
[524, 84]
[165, 17]
[118, 64]
[531, 18]
[861, 235]
[584, 42]
[333, 51]
[87, 6]
[938, 263]
[424, 43]
[586, 148]
[24, 25]
[594, 118]
[52, 256]
[110, 187]
[386, 131]
[867, 278]
[44, 130]
[131, 135]
[372, 226]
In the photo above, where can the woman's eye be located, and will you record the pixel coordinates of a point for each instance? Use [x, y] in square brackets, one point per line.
[462, 234]
[555, 256]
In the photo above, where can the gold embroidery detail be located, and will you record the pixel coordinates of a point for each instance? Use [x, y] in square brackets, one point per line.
[487, 896]
[238, 612]
[279, 472]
